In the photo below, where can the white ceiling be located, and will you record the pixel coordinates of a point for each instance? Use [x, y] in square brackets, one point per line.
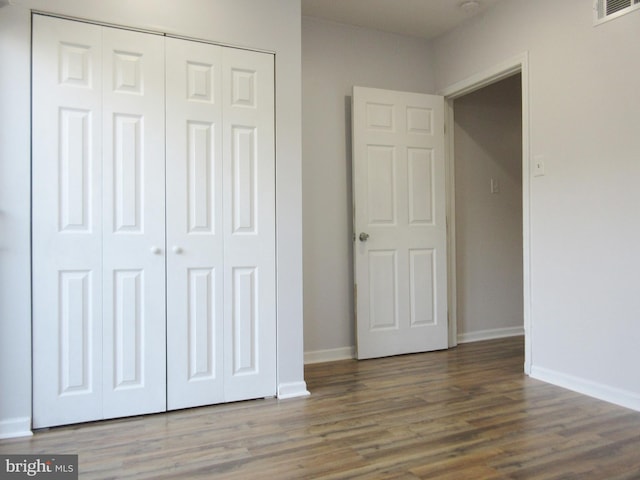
[420, 18]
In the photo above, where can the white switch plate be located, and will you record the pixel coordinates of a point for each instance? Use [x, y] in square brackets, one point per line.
[495, 186]
[538, 165]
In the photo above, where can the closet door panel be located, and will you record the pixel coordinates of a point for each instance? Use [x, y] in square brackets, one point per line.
[249, 224]
[194, 224]
[134, 223]
[67, 222]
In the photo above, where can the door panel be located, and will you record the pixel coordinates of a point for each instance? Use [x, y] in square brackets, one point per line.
[67, 222]
[75, 321]
[245, 327]
[249, 224]
[381, 184]
[399, 207]
[243, 179]
[194, 224]
[383, 290]
[128, 323]
[200, 322]
[422, 285]
[134, 323]
[420, 185]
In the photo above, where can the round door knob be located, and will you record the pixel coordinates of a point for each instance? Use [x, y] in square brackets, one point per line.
[364, 237]
[177, 250]
[156, 250]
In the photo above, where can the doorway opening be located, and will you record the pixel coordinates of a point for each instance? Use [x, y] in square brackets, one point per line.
[488, 211]
[488, 205]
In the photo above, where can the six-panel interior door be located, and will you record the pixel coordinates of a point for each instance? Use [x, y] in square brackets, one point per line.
[98, 222]
[399, 222]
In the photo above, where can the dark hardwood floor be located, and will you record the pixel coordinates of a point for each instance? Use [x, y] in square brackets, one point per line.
[465, 413]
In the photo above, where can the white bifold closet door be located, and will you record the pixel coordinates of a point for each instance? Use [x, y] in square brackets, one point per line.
[98, 223]
[153, 270]
[220, 224]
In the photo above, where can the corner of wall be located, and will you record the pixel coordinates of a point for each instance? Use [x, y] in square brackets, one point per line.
[597, 390]
[330, 355]
[15, 427]
[292, 390]
[15, 224]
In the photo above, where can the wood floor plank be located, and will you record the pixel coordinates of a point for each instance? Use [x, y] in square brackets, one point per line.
[464, 413]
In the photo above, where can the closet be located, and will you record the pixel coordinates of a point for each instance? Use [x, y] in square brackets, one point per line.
[153, 193]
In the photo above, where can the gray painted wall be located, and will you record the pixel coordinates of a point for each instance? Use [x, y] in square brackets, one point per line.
[334, 59]
[584, 230]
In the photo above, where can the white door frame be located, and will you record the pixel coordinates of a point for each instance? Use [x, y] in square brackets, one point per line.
[517, 64]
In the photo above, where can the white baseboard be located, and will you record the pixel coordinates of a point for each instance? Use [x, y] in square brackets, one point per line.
[331, 355]
[492, 334]
[292, 390]
[609, 394]
[15, 427]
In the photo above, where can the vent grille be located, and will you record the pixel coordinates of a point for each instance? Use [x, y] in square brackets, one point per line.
[606, 8]
[614, 6]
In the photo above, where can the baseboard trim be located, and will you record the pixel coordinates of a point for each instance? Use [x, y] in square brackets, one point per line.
[292, 390]
[15, 427]
[330, 355]
[624, 398]
[492, 334]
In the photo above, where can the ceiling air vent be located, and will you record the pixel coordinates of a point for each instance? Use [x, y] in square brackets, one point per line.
[609, 9]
